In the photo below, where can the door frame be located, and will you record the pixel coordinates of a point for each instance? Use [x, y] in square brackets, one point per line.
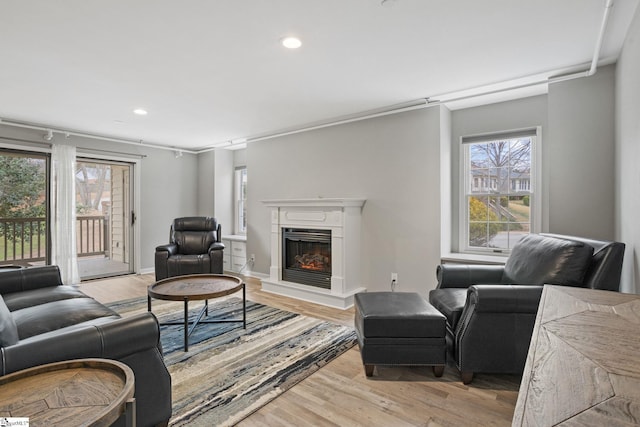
[135, 163]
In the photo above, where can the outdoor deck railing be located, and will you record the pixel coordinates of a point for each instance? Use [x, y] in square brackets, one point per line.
[23, 240]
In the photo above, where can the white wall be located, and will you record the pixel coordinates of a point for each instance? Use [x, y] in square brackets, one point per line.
[628, 155]
[392, 161]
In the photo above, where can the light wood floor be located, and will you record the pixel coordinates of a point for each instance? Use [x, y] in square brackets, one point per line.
[339, 394]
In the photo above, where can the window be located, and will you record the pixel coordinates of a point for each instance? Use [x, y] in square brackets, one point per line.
[500, 202]
[24, 217]
[240, 194]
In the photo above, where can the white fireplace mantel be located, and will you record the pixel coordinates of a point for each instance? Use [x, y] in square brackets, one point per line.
[340, 215]
[319, 202]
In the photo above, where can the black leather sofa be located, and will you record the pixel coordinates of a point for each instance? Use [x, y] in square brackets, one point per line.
[491, 309]
[43, 321]
[194, 247]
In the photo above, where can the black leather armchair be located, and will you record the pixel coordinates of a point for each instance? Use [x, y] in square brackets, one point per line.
[491, 309]
[195, 248]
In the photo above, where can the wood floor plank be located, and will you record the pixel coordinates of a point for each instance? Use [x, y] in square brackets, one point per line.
[340, 394]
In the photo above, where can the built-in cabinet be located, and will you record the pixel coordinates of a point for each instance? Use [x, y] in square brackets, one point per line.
[235, 253]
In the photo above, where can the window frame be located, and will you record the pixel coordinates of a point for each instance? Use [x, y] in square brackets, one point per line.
[535, 192]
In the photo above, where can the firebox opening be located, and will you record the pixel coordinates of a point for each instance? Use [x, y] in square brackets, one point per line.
[306, 257]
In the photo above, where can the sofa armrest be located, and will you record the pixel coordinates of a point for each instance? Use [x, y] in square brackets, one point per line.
[217, 246]
[495, 327]
[170, 248]
[113, 340]
[504, 298]
[161, 259]
[26, 279]
[465, 275]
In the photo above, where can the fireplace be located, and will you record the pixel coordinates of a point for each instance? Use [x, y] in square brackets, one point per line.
[306, 256]
[315, 250]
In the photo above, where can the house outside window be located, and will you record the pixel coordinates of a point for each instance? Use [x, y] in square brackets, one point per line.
[240, 195]
[501, 204]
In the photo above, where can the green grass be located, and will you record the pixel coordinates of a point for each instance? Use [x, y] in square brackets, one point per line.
[520, 211]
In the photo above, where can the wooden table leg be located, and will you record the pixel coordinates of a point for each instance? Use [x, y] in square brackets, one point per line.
[130, 413]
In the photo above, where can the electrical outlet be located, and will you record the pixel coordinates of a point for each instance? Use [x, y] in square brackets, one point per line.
[394, 278]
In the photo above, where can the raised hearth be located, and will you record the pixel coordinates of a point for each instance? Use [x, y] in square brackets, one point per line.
[300, 267]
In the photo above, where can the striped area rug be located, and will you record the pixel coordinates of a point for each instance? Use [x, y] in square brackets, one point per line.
[229, 372]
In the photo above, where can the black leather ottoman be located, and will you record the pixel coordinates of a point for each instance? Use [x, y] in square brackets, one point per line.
[399, 328]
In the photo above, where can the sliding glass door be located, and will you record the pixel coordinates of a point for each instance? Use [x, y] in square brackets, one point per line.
[104, 218]
[24, 215]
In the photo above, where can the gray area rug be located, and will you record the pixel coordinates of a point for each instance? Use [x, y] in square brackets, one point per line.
[229, 372]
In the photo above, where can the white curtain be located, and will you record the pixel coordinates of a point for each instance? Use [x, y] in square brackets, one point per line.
[63, 212]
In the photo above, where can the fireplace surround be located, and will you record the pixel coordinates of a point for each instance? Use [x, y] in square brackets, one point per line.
[315, 250]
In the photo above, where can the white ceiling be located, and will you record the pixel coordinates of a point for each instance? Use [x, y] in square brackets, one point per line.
[210, 71]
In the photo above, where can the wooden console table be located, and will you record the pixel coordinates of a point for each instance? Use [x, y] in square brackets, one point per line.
[583, 365]
[83, 392]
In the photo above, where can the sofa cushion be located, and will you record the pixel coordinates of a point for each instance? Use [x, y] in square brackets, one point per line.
[397, 315]
[180, 265]
[539, 260]
[19, 300]
[56, 315]
[8, 329]
[194, 242]
[450, 302]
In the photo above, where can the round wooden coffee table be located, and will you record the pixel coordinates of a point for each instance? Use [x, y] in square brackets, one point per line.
[79, 392]
[198, 287]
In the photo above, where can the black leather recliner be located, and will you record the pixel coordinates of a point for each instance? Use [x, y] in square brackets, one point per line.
[491, 309]
[195, 248]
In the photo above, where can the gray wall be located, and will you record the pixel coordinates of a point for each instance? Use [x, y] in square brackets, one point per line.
[215, 187]
[628, 155]
[206, 183]
[578, 151]
[223, 208]
[164, 196]
[392, 161]
[581, 156]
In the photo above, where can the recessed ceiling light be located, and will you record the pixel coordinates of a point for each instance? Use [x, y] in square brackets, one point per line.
[140, 111]
[291, 42]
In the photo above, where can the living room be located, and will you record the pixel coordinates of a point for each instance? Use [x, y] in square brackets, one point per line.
[406, 166]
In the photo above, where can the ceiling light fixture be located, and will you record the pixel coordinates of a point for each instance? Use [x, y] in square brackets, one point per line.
[291, 42]
[140, 111]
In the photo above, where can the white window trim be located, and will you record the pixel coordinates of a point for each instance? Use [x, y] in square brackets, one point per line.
[536, 191]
